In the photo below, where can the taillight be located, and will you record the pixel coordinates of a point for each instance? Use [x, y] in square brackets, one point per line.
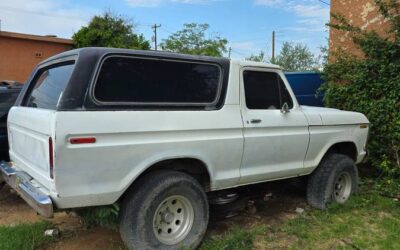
[82, 140]
[51, 158]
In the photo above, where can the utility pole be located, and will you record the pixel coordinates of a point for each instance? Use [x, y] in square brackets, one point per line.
[155, 27]
[273, 46]
[230, 50]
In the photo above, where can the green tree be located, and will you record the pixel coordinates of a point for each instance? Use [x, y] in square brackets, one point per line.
[371, 84]
[109, 30]
[295, 57]
[257, 58]
[192, 40]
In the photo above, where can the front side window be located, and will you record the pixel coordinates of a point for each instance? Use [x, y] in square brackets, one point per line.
[265, 90]
[147, 81]
[48, 86]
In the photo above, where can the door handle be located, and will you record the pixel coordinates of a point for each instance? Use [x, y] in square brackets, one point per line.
[254, 121]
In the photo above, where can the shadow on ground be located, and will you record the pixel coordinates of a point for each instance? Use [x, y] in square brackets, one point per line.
[274, 203]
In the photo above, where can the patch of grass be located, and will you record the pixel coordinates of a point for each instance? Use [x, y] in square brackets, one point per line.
[24, 236]
[235, 239]
[106, 216]
[367, 221]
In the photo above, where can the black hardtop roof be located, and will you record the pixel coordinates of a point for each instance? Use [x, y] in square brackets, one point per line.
[74, 96]
[101, 51]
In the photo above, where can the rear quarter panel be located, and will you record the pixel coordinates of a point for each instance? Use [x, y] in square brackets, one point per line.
[128, 142]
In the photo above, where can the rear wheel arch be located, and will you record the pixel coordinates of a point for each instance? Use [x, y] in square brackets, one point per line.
[194, 167]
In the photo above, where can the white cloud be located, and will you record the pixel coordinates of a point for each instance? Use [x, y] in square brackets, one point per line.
[310, 11]
[43, 17]
[143, 3]
[311, 15]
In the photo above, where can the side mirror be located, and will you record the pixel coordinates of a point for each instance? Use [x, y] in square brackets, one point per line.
[285, 108]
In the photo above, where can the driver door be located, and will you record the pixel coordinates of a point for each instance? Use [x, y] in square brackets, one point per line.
[275, 139]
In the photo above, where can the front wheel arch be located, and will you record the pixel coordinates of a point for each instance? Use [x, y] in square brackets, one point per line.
[347, 148]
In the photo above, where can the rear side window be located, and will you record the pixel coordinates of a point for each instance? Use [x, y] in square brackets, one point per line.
[48, 86]
[156, 81]
[265, 90]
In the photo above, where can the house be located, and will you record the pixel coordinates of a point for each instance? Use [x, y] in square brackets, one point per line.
[20, 53]
[361, 13]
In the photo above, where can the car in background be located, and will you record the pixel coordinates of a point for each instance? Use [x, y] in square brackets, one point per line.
[305, 86]
[9, 91]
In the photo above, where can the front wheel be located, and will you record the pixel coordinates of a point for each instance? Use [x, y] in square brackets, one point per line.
[164, 210]
[335, 180]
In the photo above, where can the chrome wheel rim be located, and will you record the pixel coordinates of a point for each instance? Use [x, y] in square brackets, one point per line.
[173, 220]
[342, 188]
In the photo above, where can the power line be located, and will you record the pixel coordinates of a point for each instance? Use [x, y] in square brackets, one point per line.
[321, 1]
[167, 31]
[239, 53]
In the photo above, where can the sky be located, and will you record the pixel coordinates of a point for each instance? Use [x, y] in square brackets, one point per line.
[246, 24]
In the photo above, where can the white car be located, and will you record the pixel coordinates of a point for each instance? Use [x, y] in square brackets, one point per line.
[159, 132]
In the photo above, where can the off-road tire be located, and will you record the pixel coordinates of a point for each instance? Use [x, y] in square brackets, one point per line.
[143, 200]
[321, 183]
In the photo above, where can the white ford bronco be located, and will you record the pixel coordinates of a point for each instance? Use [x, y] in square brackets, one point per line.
[159, 132]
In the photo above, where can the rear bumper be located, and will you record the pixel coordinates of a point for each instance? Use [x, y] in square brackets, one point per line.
[22, 183]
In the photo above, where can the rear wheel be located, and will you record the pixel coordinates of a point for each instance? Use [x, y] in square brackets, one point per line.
[164, 210]
[335, 180]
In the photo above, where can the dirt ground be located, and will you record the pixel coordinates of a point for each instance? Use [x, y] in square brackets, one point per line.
[274, 203]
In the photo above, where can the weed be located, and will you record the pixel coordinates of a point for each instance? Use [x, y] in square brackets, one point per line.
[24, 236]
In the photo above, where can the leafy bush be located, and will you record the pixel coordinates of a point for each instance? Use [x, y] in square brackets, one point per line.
[371, 84]
[388, 187]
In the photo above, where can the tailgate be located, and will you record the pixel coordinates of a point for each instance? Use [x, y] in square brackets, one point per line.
[29, 132]
[31, 125]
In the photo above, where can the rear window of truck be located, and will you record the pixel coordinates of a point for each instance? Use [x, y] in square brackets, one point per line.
[146, 81]
[48, 85]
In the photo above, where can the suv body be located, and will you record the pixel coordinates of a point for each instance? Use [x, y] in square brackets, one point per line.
[94, 121]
